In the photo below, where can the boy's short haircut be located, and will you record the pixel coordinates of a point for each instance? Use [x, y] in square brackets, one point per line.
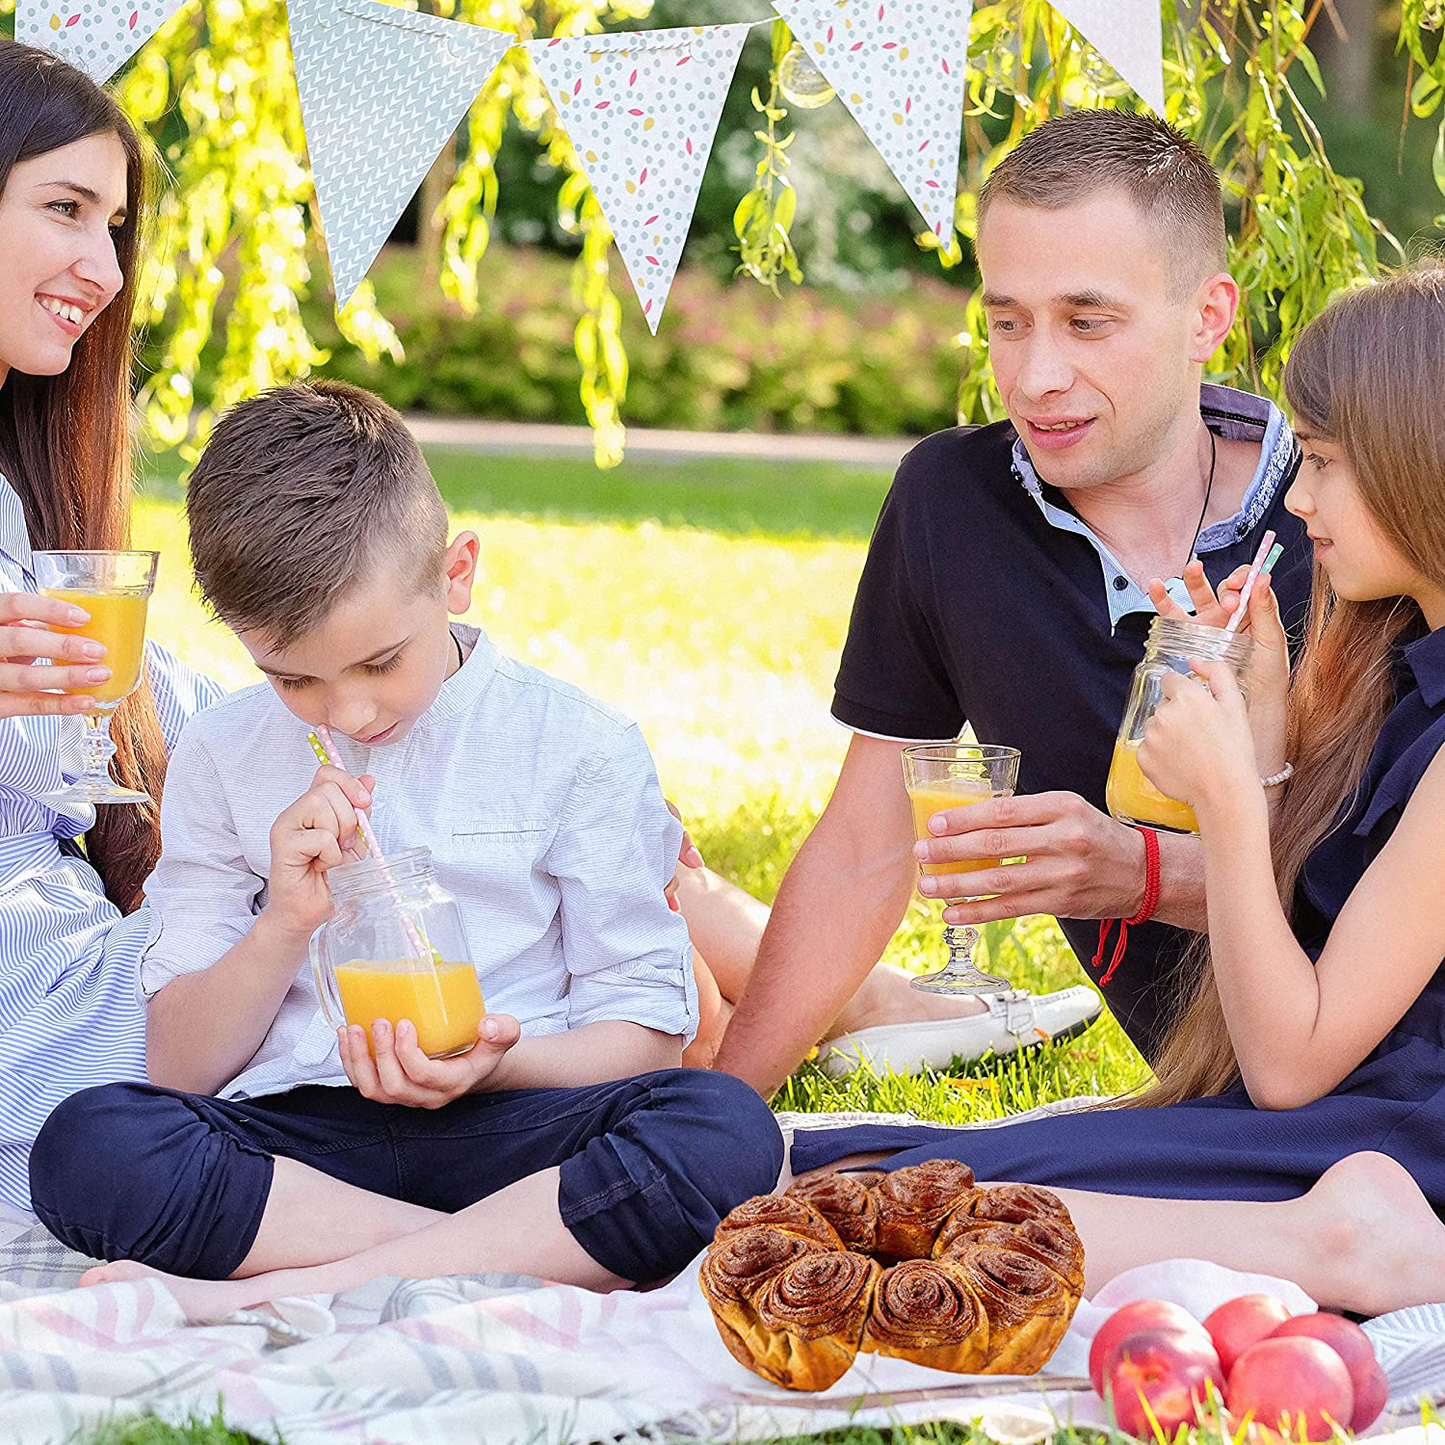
[299, 491]
[1168, 177]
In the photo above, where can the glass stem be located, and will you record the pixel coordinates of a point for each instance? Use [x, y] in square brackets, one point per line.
[98, 749]
[961, 943]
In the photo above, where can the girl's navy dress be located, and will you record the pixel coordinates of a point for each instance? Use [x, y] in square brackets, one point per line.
[1224, 1147]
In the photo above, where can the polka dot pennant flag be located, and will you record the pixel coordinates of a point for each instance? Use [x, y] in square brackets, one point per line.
[96, 36]
[1129, 35]
[382, 89]
[898, 65]
[641, 109]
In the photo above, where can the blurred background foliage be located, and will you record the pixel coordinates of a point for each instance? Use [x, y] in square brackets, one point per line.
[500, 294]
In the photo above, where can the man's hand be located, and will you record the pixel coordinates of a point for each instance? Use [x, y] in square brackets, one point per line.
[688, 856]
[1078, 862]
[311, 837]
[28, 689]
[399, 1073]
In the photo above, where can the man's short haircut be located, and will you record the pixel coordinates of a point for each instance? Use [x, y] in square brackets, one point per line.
[1077, 155]
[299, 493]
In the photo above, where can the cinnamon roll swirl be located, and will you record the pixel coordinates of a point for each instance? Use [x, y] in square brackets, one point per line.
[926, 1311]
[810, 1319]
[845, 1202]
[1028, 1306]
[914, 1202]
[796, 1216]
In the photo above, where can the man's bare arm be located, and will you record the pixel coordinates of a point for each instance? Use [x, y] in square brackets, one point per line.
[839, 904]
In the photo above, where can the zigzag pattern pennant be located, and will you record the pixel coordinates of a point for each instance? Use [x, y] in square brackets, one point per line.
[96, 36]
[898, 65]
[382, 90]
[641, 110]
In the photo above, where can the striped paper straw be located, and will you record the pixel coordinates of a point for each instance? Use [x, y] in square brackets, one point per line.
[1259, 566]
[325, 749]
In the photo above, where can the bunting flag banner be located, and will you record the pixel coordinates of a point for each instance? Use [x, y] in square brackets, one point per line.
[641, 110]
[96, 36]
[898, 65]
[1129, 35]
[382, 89]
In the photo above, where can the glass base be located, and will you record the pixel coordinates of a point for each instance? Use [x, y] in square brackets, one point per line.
[960, 985]
[959, 977]
[85, 791]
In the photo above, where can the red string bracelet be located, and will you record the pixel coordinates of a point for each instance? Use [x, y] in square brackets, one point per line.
[1145, 913]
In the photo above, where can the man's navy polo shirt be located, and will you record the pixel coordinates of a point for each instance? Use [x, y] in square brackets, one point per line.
[986, 600]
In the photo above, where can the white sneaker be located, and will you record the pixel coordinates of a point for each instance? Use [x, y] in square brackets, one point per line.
[1015, 1020]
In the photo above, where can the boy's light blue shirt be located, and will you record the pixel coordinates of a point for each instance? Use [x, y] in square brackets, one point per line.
[545, 820]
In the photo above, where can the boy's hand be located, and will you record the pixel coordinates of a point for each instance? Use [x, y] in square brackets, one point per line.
[312, 836]
[401, 1074]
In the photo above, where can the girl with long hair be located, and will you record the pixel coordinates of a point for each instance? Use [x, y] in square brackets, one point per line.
[1308, 1066]
[75, 195]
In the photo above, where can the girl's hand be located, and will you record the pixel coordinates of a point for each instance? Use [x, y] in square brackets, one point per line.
[1269, 666]
[1197, 747]
[30, 690]
[401, 1074]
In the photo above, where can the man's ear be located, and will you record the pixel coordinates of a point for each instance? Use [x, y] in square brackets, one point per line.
[1216, 304]
[460, 569]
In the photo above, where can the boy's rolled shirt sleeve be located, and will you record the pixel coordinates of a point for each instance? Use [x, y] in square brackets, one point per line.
[627, 953]
[202, 895]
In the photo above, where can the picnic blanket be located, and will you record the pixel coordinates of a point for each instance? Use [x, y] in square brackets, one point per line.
[413, 1362]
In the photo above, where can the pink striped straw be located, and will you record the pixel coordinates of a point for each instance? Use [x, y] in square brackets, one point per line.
[1256, 568]
[325, 749]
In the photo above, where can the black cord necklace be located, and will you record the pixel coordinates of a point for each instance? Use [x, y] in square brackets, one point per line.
[1208, 490]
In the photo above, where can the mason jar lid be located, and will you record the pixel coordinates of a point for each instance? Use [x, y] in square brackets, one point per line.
[372, 875]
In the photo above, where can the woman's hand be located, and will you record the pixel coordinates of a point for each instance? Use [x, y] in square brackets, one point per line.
[1197, 746]
[400, 1073]
[31, 690]
[1269, 665]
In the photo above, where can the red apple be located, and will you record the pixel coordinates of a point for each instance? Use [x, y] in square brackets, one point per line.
[1353, 1346]
[1165, 1374]
[1142, 1314]
[1298, 1386]
[1239, 1323]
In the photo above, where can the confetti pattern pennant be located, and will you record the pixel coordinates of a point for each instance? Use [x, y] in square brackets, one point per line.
[1129, 35]
[96, 36]
[382, 90]
[641, 109]
[898, 65]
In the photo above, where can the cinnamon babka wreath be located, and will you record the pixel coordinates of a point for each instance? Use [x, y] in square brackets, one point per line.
[919, 1264]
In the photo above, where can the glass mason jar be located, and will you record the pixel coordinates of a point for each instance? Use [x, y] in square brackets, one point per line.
[1130, 796]
[394, 949]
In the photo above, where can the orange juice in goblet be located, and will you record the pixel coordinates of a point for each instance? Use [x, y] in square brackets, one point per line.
[940, 776]
[114, 588]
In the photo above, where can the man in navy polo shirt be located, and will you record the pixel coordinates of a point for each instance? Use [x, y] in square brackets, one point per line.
[1006, 582]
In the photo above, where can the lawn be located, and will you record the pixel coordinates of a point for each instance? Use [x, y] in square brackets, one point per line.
[708, 601]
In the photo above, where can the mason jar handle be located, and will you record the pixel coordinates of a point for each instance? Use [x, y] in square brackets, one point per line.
[326, 991]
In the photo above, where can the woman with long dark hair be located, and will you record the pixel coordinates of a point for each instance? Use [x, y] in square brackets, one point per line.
[75, 193]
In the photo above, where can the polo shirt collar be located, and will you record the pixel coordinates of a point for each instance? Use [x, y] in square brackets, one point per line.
[1426, 659]
[1229, 413]
[14, 534]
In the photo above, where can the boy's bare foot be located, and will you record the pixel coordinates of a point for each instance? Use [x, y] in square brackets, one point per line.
[199, 1299]
[1379, 1243]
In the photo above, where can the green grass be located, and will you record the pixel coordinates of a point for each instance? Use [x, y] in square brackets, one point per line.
[733, 497]
[721, 637]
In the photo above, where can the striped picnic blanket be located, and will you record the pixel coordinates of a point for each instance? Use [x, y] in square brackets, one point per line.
[412, 1362]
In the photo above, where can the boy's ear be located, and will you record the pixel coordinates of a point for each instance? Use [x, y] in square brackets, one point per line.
[460, 568]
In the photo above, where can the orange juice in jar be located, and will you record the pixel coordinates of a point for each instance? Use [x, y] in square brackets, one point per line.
[394, 948]
[1129, 795]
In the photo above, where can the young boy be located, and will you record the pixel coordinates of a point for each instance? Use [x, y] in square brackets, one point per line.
[567, 1142]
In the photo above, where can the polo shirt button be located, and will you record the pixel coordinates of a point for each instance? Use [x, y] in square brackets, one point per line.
[1120, 584]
